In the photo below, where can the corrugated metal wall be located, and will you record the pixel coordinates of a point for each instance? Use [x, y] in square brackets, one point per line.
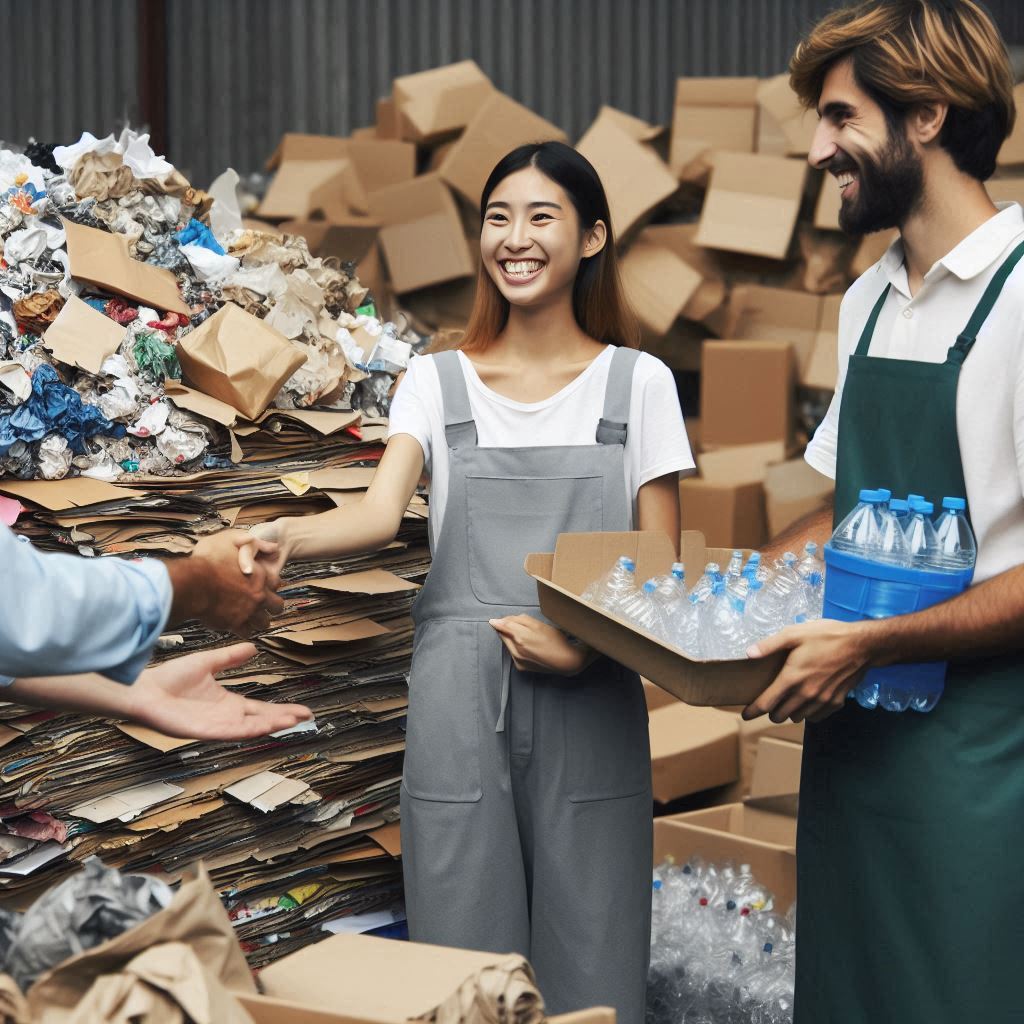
[241, 72]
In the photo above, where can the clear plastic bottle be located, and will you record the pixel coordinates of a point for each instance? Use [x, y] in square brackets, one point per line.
[712, 574]
[762, 616]
[922, 544]
[810, 568]
[722, 629]
[641, 608]
[786, 567]
[735, 566]
[614, 586]
[858, 533]
[900, 508]
[892, 541]
[684, 631]
[957, 550]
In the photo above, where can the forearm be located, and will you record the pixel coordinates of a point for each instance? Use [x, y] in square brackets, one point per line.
[985, 620]
[87, 693]
[815, 526]
[348, 530]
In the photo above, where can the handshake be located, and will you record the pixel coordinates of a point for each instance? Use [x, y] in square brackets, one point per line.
[230, 581]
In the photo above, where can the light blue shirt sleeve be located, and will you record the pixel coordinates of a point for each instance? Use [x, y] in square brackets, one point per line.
[61, 614]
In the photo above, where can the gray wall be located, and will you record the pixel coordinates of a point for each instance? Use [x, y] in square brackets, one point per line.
[241, 72]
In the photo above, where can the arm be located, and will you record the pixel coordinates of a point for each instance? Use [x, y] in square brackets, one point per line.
[537, 647]
[365, 525]
[181, 697]
[827, 658]
[816, 526]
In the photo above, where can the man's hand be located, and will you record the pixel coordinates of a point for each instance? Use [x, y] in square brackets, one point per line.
[266, 544]
[182, 698]
[209, 585]
[538, 647]
[826, 660]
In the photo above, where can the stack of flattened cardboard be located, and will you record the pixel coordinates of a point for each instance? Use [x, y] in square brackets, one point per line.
[297, 830]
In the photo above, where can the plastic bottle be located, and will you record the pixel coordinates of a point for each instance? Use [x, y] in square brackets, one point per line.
[684, 630]
[858, 533]
[722, 624]
[735, 566]
[957, 550]
[810, 568]
[614, 586]
[892, 541]
[641, 608]
[712, 573]
[786, 567]
[900, 508]
[762, 616]
[922, 544]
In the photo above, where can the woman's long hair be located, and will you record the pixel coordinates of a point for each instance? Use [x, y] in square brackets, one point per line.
[597, 299]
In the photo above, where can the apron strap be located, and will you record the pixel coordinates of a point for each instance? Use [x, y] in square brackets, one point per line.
[459, 425]
[969, 335]
[506, 685]
[869, 328]
[612, 427]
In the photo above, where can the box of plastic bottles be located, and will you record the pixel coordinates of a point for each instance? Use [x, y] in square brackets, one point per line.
[905, 567]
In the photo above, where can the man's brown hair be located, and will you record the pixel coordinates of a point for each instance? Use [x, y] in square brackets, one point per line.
[906, 52]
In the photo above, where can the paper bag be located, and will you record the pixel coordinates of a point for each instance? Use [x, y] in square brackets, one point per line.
[102, 258]
[167, 984]
[195, 917]
[238, 359]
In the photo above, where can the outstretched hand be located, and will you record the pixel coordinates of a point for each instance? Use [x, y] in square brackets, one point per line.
[263, 544]
[182, 698]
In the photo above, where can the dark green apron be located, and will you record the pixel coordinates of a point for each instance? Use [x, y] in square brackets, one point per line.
[909, 854]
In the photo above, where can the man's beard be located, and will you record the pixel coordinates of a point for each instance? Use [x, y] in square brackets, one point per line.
[889, 187]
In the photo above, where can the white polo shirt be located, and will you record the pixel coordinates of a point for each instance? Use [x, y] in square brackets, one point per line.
[990, 395]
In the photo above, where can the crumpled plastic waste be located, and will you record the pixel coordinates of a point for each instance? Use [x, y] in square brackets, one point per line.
[208, 266]
[53, 457]
[32, 241]
[85, 910]
[54, 407]
[155, 358]
[169, 324]
[197, 233]
[179, 446]
[152, 420]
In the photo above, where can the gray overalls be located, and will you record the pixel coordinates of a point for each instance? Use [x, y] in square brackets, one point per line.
[526, 800]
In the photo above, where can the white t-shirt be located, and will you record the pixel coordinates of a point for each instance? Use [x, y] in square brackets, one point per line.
[990, 394]
[656, 442]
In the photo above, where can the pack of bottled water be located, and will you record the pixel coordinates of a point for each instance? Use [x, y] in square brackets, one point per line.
[903, 532]
[913, 547]
[725, 610]
[720, 954]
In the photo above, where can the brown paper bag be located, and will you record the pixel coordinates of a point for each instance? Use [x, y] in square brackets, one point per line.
[167, 984]
[195, 917]
[237, 358]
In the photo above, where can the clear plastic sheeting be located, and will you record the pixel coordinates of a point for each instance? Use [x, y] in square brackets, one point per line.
[720, 954]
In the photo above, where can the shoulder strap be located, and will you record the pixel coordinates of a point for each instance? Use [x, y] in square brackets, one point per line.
[869, 328]
[459, 426]
[612, 427]
[965, 341]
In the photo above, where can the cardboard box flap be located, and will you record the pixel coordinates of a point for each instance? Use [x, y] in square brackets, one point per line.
[658, 283]
[776, 768]
[581, 557]
[633, 126]
[433, 103]
[498, 127]
[300, 186]
[635, 179]
[82, 336]
[797, 123]
[302, 146]
[717, 92]
[742, 463]
[692, 749]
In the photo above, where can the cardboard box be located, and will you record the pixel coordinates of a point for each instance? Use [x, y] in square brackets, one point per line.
[433, 104]
[633, 126]
[499, 126]
[780, 106]
[682, 240]
[359, 979]
[729, 514]
[822, 369]
[421, 237]
[658, 284]
[1012, 150]
[581, 558]
[747, 392]
[635, 179]
[775, 314]
[679, 347]
[752, 204]
[656, 697]
[303, 188]
[712, 114]
[793, 490]
[444, 306]
[750, 735]
[777, 768]
[238, 359]
[692, 749]
[741, 461]
[738, 834]
[387, 125]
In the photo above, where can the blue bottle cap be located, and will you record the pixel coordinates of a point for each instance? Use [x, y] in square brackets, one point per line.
[915, 497]
[800, 618]
[650, 587]
[899, 505]
[867, 495]
[755, 557]
[628, 563]
[924, 507]
[956, 503]
[718, 587]
[915, 501]
[884, 493]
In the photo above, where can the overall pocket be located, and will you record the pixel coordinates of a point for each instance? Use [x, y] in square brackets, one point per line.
[442, 739]
[607, 741]
[510, 517]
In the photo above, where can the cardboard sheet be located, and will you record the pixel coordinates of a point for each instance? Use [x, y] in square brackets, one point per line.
[82, 336]
[431, 105]
[102, 258]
